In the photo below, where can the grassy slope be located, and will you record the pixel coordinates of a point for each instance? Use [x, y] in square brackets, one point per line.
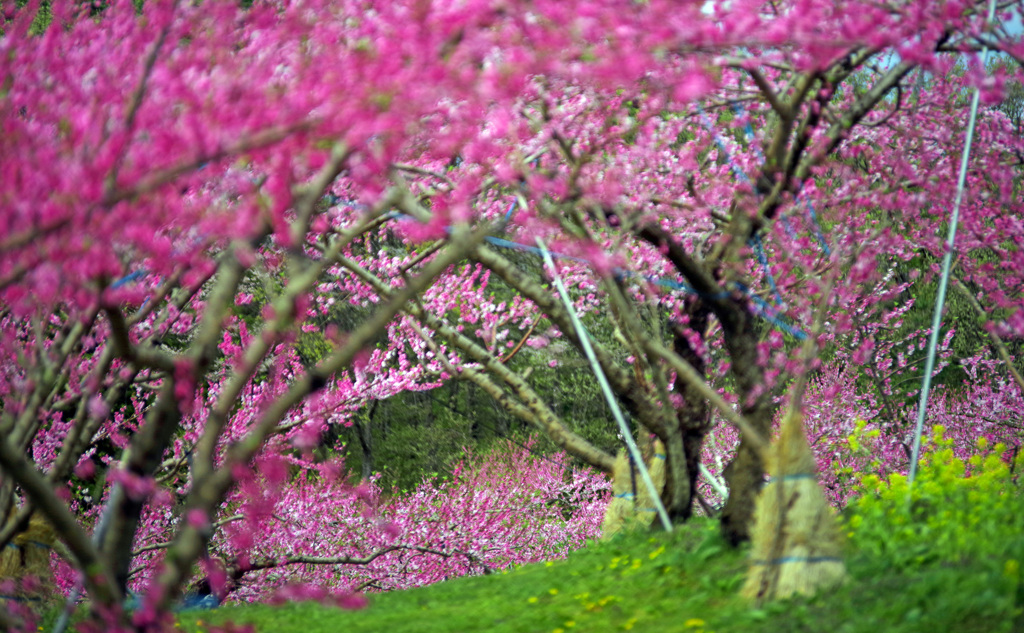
[686, 581]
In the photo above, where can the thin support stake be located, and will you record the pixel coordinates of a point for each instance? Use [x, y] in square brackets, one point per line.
[719, 487]
[631, 446]
[947, 262]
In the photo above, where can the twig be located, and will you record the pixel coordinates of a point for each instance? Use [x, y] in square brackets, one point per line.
[997, 342]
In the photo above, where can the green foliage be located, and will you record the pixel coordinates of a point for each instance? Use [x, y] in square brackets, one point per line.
[956, 511]
[412, 450]
[312, 347]
[417, 434]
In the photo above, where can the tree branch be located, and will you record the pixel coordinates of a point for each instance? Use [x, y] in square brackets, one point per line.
[997, 342]
[636, 398]
[208, 492]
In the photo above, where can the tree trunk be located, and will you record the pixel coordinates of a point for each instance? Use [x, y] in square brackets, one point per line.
[364, 431]
[745, 474]
[693, 417]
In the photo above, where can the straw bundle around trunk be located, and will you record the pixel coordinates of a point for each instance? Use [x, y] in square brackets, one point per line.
[797, 542]
[629, 509]
[28, 556]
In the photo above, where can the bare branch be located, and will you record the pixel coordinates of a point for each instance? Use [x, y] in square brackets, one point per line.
[784, 111]
[139, 356]
[301, 559]
[159, 178]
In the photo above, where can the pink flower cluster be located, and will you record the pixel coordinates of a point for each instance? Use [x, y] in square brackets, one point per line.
[282, 531]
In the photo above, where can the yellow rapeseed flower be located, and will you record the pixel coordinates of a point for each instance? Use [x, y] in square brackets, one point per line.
[694, 623]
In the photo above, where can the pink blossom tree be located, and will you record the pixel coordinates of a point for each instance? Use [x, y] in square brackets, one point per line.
[710, 174]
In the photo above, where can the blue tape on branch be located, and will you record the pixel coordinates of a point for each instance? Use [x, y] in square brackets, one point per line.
[127, 279]
[334, 200]
[748, 129]
[18, 598]
[768, 312]
[33, 543]
[809, 204]
[817, 227]
[793, 477]
[799, 559]
[625, 495]
[788, 227]
[36, 543]
[740, 174]
[503, 243]
[763, 259]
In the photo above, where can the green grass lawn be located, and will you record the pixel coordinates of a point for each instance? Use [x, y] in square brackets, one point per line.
[686, 581]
